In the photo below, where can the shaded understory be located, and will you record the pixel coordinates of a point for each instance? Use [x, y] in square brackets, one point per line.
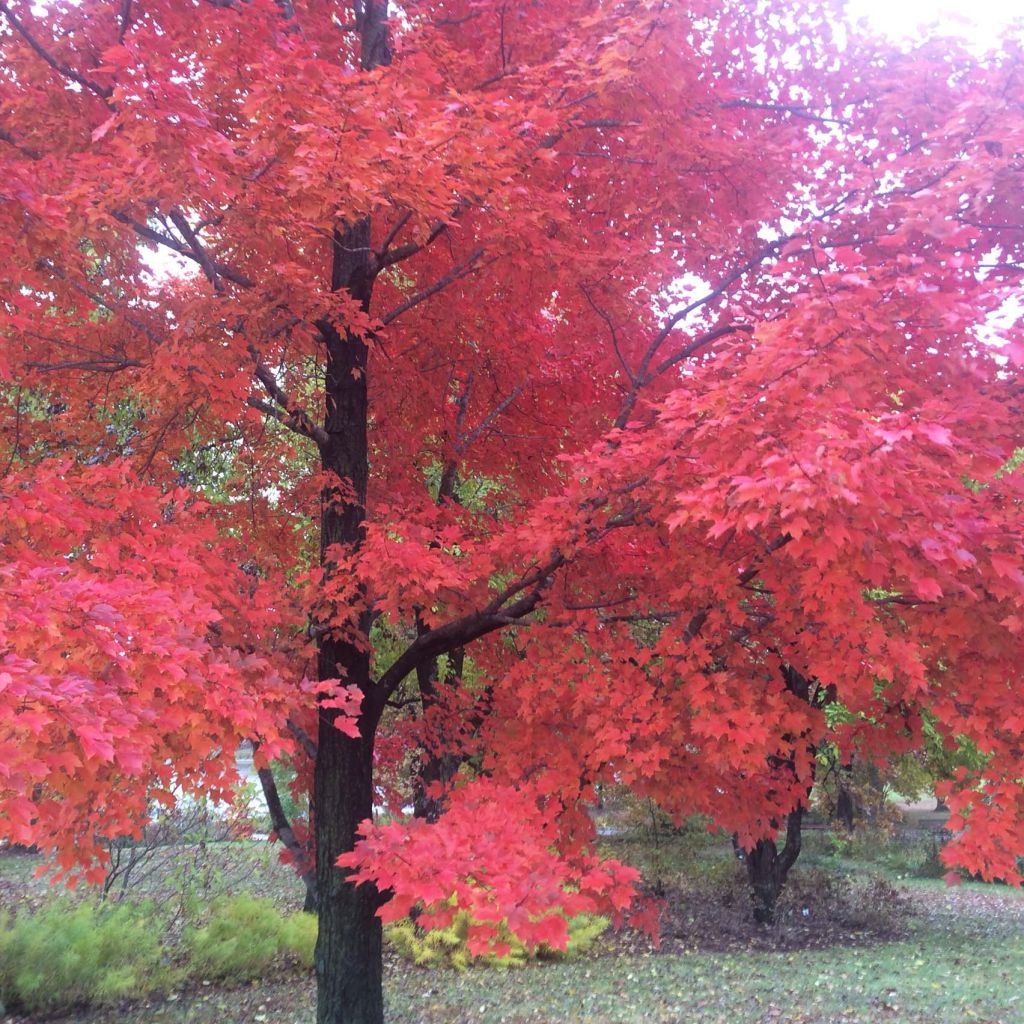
[957, 957]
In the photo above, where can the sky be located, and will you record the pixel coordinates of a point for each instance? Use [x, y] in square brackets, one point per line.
[980, 23]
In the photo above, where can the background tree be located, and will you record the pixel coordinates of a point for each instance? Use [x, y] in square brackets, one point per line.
[706, 292]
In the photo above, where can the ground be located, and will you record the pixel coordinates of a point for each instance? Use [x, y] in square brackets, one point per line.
[956, 957]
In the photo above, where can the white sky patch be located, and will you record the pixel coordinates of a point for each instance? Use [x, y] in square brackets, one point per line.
[981, 24]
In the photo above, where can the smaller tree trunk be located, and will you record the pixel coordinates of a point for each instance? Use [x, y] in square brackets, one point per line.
[768, 868]
[845, 808]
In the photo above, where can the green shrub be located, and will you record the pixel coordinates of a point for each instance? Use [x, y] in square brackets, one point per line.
[446, 947]
[64, 956]
[244, 935]
[299, 937]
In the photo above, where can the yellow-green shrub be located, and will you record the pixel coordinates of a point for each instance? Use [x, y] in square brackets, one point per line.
[446, 947]
[299, 937]
[244, 935]
[64, 956]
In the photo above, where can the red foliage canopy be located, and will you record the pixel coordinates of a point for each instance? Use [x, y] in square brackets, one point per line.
[638, 350]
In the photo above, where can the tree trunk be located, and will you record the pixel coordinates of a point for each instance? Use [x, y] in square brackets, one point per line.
[768, 868]
[845, 807]
[348, 947]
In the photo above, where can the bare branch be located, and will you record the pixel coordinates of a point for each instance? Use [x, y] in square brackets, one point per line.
[644, 374]
[32, 154]
[392, 235]
[302, 737]
[451, 22]
[285, 832]
[698, 343]
[677, 357]
[291, 415]
[462, 631]
[726, 282]
[386, 257]
[124, 20]
[299, 423]
[552, 138]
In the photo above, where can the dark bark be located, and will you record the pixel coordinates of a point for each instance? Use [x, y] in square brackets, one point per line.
[845, 807]
[768, 867]
[349, 941]
[348, 948]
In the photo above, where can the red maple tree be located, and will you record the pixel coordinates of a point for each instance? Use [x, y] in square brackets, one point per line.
[639, 355]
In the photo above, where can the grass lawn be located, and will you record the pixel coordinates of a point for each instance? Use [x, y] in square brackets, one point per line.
[961, 959]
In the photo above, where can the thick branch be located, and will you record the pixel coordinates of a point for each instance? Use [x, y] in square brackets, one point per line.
[145, 231]
[293, 421]
[285, 832]
[463, 631]
[201, 257]
[468, 266]
[386, 256]
[32, 154]
[291, 415]
[302, 738]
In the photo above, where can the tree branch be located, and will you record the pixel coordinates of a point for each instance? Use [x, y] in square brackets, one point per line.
[124, 20]
[100, 300]
[62, 69]
[784, 108]
[302, 737]
[100, 365]
[32, 154]
[285, 832]
[611, 330]
[294, 422]
[468, 266]
[145, 231]
[464, 630]
[201, 257]
[462, 443]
